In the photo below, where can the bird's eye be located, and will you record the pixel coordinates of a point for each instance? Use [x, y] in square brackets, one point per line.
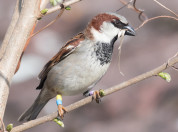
[118, 23]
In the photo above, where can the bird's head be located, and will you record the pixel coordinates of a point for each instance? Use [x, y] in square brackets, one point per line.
[104, 27]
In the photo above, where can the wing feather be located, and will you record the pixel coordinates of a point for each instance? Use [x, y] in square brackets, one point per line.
[66, 50]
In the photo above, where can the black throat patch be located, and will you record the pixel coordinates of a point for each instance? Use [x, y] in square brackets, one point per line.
[104, 51]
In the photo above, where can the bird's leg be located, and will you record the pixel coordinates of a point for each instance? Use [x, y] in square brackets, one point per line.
[96, 95]
[61, 109]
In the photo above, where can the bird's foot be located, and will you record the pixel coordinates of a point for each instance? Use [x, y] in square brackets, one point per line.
[96, 95]
[61, 109]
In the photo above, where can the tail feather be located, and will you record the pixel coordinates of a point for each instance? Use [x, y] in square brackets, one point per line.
[35, 109]
[32, 112]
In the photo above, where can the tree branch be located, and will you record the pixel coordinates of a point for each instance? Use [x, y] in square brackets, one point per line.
[173, 60]
[49, 24]
[153, 18]
[20, 29]
[42, 6]
[10, 28]
[166, 8]
[58, 7]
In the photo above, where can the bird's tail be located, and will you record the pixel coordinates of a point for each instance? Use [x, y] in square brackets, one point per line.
[35, 109]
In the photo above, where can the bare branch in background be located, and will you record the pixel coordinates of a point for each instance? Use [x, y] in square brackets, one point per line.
[153, 18]
[139, 11]
[150, 19]
[166, 8]
[133, 7]
[58, 16]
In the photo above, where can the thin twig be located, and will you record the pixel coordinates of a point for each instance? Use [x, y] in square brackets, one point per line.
[58, 16]
[125, 4]
[153, 18]
[133, 7]
[42, 5]
[139, 11]
[58, 7]
[173, 60]
[166, 8]
[53, 9]
[175, 68]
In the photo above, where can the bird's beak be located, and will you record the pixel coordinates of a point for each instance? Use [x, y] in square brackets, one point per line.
[129, 31]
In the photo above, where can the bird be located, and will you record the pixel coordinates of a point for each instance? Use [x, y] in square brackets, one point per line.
[80, 63]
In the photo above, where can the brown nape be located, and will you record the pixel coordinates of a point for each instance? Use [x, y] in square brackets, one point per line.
[97, 21]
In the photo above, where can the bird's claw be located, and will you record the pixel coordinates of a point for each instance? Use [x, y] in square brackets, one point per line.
[61, 111]
[96, 96]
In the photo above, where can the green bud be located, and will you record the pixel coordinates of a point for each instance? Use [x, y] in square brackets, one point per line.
[9, 127]
[68, 8]
[101, 92]
[44, 11]
[53, 2]
[165, 76]
[59, 122]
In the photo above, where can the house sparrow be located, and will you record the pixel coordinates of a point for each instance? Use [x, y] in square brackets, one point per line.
[81, 63]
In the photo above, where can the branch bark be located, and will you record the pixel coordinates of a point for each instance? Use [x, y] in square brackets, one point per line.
[14, 43]
[10, 28]
[58, 7]
[173, 60]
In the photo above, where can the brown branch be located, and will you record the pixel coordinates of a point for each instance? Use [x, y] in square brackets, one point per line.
[163, 16]
[139, 11]
[173, 60]
[153, 18]
[58, 16]
[166, 8]
[27, 42]
[133, 7]
[43, 4]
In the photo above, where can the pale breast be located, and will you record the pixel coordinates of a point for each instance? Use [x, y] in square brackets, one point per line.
[77, 72]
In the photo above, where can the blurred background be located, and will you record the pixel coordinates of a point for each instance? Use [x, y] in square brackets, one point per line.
[148, 106]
